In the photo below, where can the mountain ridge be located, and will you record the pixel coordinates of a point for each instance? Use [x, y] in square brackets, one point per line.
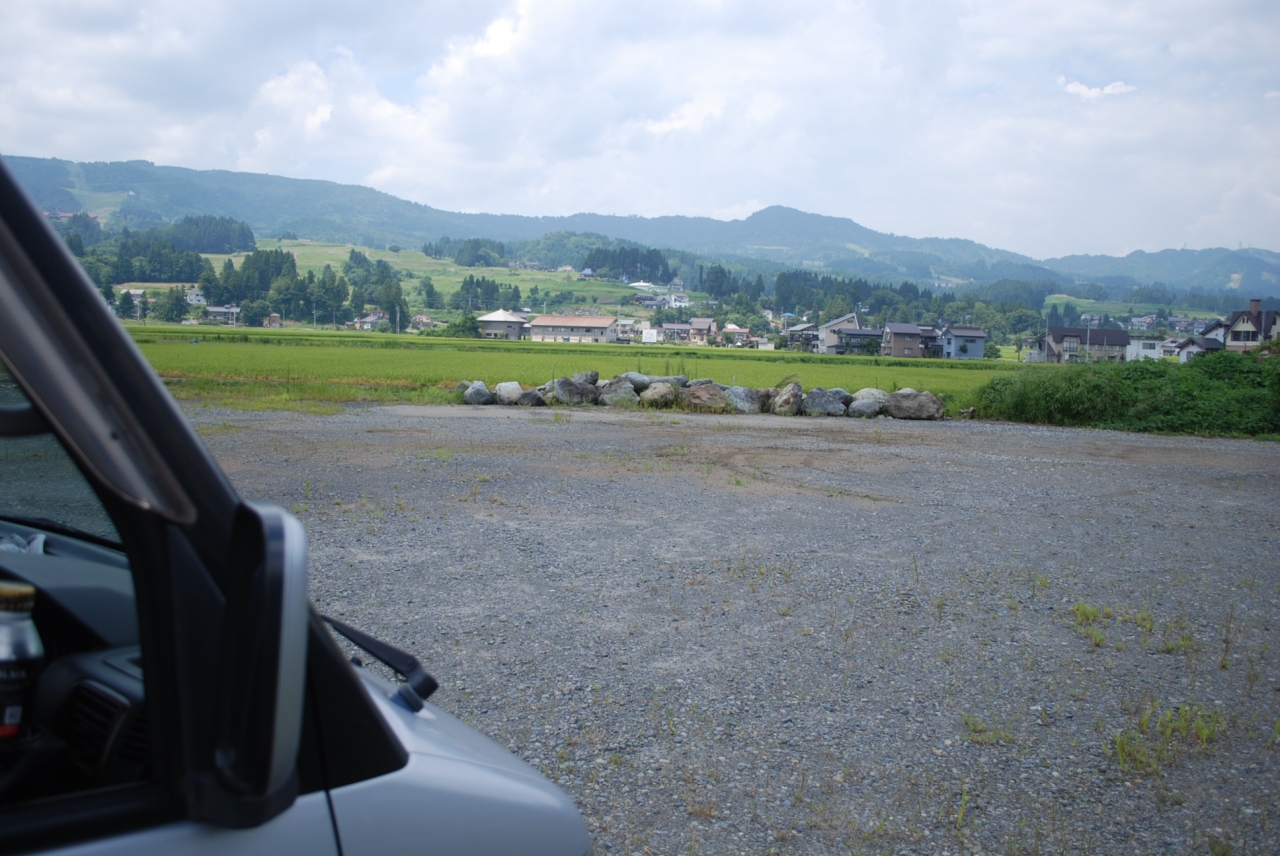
[142, 193]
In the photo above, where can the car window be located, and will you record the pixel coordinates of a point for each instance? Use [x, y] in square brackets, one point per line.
[41, 484]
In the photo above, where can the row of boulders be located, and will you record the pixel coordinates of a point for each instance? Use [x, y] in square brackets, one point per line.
[704, 395]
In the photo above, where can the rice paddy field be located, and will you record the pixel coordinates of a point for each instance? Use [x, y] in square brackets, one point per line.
[311, 370]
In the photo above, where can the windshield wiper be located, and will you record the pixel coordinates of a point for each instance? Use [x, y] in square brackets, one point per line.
[418, 685]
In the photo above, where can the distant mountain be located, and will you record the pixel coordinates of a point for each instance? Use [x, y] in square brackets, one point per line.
[143, 194]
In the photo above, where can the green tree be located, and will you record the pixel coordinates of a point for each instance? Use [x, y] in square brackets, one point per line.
[328, 292]
[430, 297]
[837, 307]
[172, 305]
[76, 244]
[125, 307]
[465, 327]
[869, 347]
[990, 350]
[254, 312]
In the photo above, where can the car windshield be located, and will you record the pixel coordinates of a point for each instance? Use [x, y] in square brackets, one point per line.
[41, 485]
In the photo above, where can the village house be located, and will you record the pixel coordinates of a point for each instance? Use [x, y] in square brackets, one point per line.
[930, 341]
[273, 320]
[1193, 345]
[1080, 344]
[574, 328]
[1142, 347]
[829, 333]
[732, 334]
[226, 314]
[802, 336]
[901, 340]
[675, 332]
[629, 328]
[370, 321]
[846, 335]
[963, 343]
[501, 325]
[1248, 328]
[702, 331]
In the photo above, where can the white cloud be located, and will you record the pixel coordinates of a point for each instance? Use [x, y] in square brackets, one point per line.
[1095, 93]
[920, 118]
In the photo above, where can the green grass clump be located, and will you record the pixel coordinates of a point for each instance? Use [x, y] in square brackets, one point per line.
[1219, 393]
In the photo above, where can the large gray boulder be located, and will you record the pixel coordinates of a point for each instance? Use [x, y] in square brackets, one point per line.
[531, 398]
[676, 381]
[743, 399]
[864, 408]
[914, 405]
[906, 390]
[707, 398]
[639, 382]
[619, 393]
[463, 386]
[845, 397]
[767, 395]
[478, 393]
[877, 395]
[700, 381]
[658, 394]
[788, 400]
[586, 377]
[572, 392]
[822, 402]
[508, 392]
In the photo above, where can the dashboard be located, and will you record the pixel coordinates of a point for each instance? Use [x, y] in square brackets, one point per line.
[87, 726]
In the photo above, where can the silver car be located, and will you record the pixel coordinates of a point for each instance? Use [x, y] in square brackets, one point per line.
[171, 689]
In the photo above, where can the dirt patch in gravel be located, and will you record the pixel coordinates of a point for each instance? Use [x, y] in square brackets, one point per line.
[818, 635]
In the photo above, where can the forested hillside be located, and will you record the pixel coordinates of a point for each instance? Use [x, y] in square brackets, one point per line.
[140, 194]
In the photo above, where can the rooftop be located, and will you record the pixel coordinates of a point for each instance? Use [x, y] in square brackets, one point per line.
[573, 321]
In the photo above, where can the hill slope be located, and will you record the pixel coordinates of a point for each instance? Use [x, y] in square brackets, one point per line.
[141, 193]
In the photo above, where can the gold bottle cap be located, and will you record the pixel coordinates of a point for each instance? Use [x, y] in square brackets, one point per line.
[17, 597]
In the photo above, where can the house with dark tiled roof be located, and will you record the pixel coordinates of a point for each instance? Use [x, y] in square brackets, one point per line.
[963, 343]
[902, 340]
[1081, 344]
[1249, 328]
[702, 330]
[1194, 345]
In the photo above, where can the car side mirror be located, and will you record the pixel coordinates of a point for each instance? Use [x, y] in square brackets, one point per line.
[263, 666]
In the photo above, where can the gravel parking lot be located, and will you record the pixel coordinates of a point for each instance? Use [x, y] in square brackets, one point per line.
[758, 634]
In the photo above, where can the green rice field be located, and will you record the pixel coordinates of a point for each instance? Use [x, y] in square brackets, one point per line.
[309, 370]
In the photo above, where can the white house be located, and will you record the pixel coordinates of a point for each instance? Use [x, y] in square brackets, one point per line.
[574, 328]
[501, 325]
[1142, 347]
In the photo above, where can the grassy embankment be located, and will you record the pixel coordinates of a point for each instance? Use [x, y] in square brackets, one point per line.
[1215, 394]
[317, 371]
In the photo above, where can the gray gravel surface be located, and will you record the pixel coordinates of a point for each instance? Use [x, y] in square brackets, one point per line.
[753, 634]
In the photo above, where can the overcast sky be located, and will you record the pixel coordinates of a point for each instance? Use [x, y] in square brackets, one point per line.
[1045, 128]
